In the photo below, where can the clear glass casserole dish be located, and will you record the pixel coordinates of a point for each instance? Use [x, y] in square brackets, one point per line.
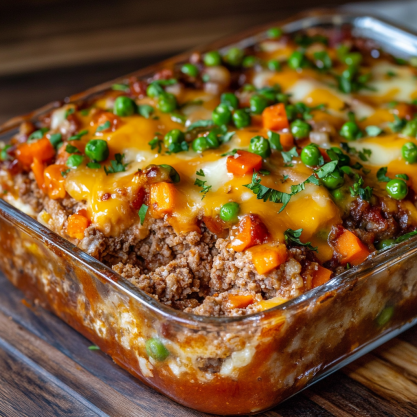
[235, 365]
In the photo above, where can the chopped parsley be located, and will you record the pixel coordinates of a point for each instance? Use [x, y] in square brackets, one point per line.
[177, 147]
[79, 135]
[117, 165]
[70, 111]
[397, 124]
[364, 154]
[293, 237]
[64, 173]
[402, 176]
[264, 172]
[155, 143]
[357, 190]
[232, 152]
[145, 110]
[93, 165]
[373, 130]
[56, 140]
[104, 126]
[226, 137]
[71, 149]
[200, 183]
[199, 124]
[381, 175]
[405, 237]
[120, 87]
[288, 156]
[38, 134]
[284, 178]
[142, 213]
[4, 156]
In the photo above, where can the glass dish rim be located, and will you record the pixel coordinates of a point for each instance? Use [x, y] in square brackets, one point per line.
[339, 283]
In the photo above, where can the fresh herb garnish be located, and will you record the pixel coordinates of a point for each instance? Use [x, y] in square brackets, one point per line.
[391, 74]
[38, 134]
[142, 213]
[116, 165]
[120, 87]
[405, 237]
[232, 152]
[264, 172]
[145, 110]
[402, 176]
[199, 183]
[93, 347]
[93, 165]
[200, 123]
[284, 178]
[293, 236]
[373, 130]
[288, 156]
[69, 111]
[71, 149]
[226, 137]
[381, 175]
[364, 154]
[104, 126]
[155, 143]
[79, 135]
[178, 147]
[4, 156]
[178, 117]
[306, 40]
[56, 140]
[397, 124]
[357, 190]
[64, 173]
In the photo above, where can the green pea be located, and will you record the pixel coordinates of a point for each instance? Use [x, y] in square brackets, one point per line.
[212, 140]
[258, 104]
[249, 61]
[124, 106]
[152, 91]
[189, 69]
[234, 56]
[274, 65]
[385, 244]
[229, 212]
[300, 129]
[296, 60]
[173, 137]
[333, 180]
[230, 100]
[350, 131]
[97, 150]
[410, 128]
[274, 33]
[4, 156]
[260, 146]
[172, 173]
[353, 59]
[385, 316]
[338, 194]
[269, 93]
[310, 155]
[409, 152]
[200, 144]
[397, 189]
[241, 118]
[156, 349]
[212, 59]
[74, 160]
[167, 103]
[222, 115]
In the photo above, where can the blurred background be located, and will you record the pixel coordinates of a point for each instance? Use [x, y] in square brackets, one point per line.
[52, 48]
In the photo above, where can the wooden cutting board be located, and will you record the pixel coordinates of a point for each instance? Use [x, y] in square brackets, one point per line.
[46, 369]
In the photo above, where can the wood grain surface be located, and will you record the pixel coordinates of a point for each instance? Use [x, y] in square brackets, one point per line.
[46, 369]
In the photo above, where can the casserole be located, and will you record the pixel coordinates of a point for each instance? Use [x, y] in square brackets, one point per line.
[241, 364]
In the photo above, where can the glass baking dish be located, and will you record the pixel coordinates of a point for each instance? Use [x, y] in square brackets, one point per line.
[234, 365]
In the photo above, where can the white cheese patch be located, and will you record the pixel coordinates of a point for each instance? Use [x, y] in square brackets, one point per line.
[261, 78]
[145, 367]
[237, 360]
[402, 80]
[380, 155]
[16, 202]
[216, 173]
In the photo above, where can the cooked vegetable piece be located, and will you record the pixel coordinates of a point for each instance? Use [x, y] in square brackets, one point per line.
[54, 181]
[351, 248]
[41, 149]
[162, 198]
[229, 212]
[260, 146]
[397, 189]
[239, 301]
[321, 276]
[275, 117]
[268, 257]
[251, 231]
[243, 162]
[156, 349]
[77, 224]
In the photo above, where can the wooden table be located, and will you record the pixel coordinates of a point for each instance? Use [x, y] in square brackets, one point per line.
[46, 369]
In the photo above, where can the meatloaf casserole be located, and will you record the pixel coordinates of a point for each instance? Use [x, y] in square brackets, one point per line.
[232, 183]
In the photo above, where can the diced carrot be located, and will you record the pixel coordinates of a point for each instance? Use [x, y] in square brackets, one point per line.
[239, 301]
[162, 198]
[54, 181]
[38, 169]
[243, 162]
[77, 223]
[267, 257]
[40, 149]
[251, 232]
[351, 248]
[321, 276]
[272, 302]
[287, 140]
[215, 225]
[324, 155]
[275, 117]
